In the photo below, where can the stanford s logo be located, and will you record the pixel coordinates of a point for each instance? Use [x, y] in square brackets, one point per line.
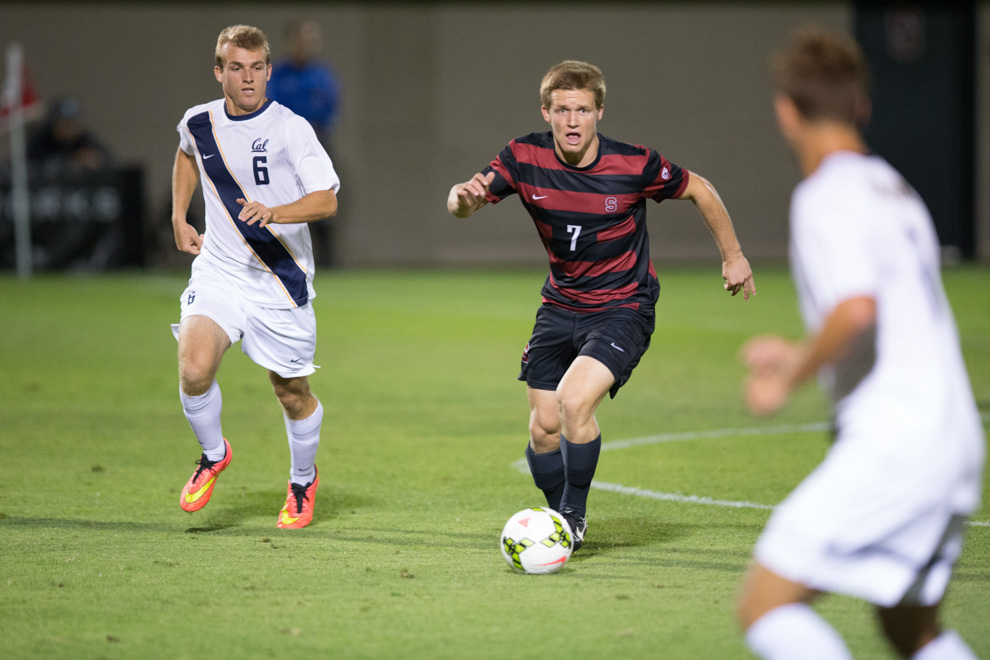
[611, 204]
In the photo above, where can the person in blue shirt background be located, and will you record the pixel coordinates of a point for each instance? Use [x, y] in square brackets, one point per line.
[307, 85]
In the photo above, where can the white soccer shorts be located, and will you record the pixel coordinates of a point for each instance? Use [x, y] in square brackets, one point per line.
[857, 526]
[281, 340]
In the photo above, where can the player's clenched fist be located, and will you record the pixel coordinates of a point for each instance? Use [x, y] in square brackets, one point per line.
[187, 238]
[466, 198]
[771, 361]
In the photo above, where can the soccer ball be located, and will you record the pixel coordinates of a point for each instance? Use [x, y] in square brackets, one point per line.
[537, 541]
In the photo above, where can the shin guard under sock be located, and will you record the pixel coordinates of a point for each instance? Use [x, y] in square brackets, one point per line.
[548, 474]
[580, 462]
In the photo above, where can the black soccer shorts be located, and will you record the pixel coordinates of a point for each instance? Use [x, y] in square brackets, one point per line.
[617, 338]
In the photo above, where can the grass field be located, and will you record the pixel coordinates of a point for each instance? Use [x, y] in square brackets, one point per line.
[425, 422]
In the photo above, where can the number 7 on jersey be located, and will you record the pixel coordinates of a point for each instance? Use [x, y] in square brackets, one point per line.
[576, 231]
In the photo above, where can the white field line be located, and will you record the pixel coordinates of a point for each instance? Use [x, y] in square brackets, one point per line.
[522, 466]
[715, 433]
[676, 497]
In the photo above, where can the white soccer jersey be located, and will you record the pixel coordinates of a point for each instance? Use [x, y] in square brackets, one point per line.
[881, 517]
[857, 228]
[272, 156]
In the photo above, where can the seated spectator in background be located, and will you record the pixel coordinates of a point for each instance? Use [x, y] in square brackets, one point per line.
[63, 145]
[305, 84]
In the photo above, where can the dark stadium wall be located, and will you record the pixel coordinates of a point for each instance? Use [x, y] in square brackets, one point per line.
[928, 137]
[432, 92]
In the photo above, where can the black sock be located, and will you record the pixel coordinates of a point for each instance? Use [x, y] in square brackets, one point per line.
[580, 462]
[548, 474]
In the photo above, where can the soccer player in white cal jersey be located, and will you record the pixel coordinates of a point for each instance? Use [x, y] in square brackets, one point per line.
[882, 517]
[264, 176]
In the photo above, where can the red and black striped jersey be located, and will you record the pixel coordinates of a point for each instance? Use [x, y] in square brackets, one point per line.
[592, 220]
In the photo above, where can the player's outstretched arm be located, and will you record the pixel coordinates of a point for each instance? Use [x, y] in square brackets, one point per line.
[777, 366]
[309, 208]
[466, 198]
[185, 177]
[736, 271]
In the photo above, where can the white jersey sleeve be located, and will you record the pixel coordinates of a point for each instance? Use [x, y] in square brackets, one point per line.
[314, 170]
[186, 143]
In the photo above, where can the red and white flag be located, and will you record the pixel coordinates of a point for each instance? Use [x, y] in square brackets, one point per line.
[18, 89]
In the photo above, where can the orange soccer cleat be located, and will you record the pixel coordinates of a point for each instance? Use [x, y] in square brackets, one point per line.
[198, 489]
[298, 509]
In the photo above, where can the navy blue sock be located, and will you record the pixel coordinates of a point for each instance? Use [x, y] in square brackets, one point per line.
[580, 462]
[548, 474]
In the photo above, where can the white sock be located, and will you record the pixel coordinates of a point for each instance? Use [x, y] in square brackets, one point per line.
[203, 413]
[795, 631]
[304, 440]
[947, 646]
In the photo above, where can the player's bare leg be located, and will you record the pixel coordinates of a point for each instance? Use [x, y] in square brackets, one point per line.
[294, 395]
[544, 420]
[580, 392]
[915, 632]
[764, 590]
[546, 463]
[779, 621]
[202, 344]
[909, 628]
[578, 395]
[303, 414]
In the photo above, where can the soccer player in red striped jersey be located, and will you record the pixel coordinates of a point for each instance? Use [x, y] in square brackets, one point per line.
[587, 196]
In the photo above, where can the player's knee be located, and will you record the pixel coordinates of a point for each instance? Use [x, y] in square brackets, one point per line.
[574, 410]
[195, 376]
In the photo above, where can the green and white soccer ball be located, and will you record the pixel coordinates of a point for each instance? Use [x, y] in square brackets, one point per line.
[537, 541]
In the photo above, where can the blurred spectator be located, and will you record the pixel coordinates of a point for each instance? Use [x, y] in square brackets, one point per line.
[63, 145]
[304, 83]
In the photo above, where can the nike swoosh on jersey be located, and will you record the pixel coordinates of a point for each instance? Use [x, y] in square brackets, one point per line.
[540, 197]
[208, 156]
[618, 348]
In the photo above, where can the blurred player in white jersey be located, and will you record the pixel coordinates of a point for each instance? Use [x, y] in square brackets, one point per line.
[882, 517]
[264, 176]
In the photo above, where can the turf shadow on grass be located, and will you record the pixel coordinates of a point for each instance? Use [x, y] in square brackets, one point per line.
[967, 576]
[224, 513]
[414, 537]
[98, 525]
[606, 536]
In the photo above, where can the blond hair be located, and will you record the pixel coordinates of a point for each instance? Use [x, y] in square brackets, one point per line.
[243, 36]
[825, 75]
[572, 74]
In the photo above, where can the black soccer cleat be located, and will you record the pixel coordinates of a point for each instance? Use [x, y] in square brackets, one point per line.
[578, 526]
